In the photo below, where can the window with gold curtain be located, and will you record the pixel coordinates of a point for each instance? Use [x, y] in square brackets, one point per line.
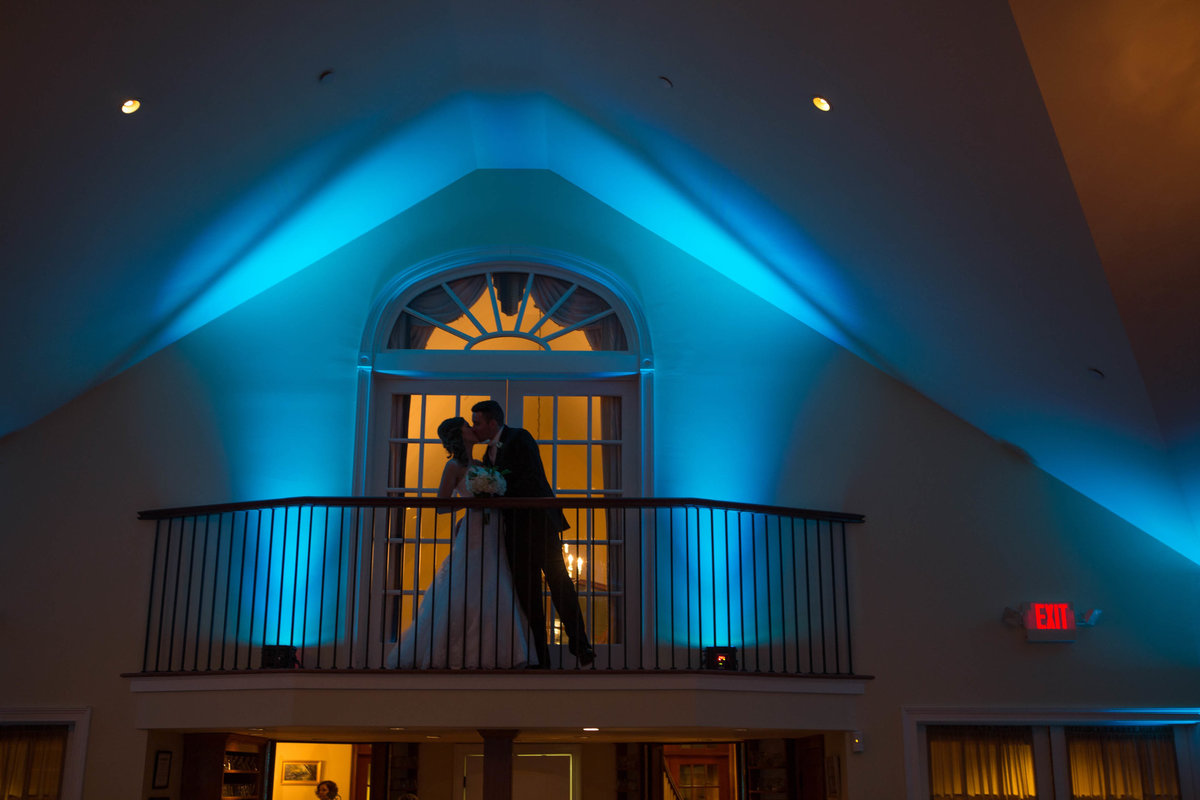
[981, 763]
[31, 761]
[1134, 763]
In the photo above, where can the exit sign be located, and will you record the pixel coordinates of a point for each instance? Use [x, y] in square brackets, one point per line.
[1049, 622]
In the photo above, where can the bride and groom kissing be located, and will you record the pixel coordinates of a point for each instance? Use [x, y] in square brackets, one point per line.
[467, 617]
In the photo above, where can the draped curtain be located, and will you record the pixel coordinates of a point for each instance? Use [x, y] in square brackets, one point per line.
[31, 761]
[1123, 764]
[602, 334]
[974, 763]
[413, 333]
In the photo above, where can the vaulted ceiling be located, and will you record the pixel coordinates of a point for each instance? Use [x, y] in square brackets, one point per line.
[998, 210]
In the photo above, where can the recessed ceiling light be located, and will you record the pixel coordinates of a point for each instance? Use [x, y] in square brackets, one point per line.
[433, 737]
[821, 103]
[594, 730]
[130, 106]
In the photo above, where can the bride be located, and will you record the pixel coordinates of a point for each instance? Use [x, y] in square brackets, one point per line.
[468, 617]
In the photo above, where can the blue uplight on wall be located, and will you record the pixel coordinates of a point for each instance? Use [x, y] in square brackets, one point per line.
[294, 585]
[769, 586]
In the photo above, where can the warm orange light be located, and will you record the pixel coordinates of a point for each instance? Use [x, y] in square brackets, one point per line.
[821, 103]
[130, 106]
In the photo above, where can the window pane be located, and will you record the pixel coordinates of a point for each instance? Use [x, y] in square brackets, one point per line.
[31, 760]
[984, 762]
[572, 417]
[508, 301]
[572, 469]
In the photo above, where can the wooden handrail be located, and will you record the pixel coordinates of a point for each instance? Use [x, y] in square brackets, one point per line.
[500, 503]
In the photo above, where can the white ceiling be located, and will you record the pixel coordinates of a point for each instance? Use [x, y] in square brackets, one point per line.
[1000, 203]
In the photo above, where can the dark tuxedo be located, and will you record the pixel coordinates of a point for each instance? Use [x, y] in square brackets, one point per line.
[531, 537]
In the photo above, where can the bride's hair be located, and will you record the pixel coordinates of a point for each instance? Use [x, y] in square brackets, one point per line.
[450, 432]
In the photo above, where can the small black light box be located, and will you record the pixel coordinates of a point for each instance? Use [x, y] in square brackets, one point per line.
[279, 656]
[720, 658]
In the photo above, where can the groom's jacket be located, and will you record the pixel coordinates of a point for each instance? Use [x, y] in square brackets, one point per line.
[526, 476]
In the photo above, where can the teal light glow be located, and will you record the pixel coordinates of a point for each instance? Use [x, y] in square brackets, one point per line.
[407, 167]
[294, 584]
[1127, 475]
[765, 585]
[272, 236]
[597, 164]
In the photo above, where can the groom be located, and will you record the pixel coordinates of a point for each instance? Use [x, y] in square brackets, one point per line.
[531, 534]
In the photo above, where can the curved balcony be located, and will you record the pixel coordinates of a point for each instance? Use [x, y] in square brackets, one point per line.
[332, 584]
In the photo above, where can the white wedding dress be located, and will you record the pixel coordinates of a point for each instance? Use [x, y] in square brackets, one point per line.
[468, 617]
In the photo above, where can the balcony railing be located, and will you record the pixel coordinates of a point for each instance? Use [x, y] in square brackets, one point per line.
[334, 583]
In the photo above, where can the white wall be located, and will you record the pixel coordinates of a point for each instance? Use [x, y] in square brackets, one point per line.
[261, 403]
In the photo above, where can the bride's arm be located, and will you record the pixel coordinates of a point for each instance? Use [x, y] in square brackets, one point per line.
[451, 475]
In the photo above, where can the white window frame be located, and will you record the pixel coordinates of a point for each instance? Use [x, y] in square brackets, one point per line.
[1049, 743]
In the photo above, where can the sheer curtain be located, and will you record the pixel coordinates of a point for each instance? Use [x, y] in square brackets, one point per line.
[969, 762]
[31, 761]
[1122, 763]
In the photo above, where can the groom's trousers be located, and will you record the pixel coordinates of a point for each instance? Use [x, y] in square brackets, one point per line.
[535, 549]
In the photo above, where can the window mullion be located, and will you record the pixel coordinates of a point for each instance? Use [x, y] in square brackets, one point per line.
[580, 324]
[491, 284]
[1060, 763]
[441, 325]
[550, 312]
[458, 302]
[524, 301]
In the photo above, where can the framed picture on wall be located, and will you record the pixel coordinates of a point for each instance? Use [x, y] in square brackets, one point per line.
[297, 773]
[162, 770]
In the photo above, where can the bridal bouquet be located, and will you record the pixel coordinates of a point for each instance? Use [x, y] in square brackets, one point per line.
[483, 481]
[486, 481]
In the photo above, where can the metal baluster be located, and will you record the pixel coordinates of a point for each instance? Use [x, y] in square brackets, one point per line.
[267, 585]
[821, 604]
[741, 572]
[291, 639]
[212, 616]
[321, 597]
[150, 600]
[782, 598]
[228, 580]
[237, 627]
[687, 585]
[846, 595]
[795, 593]
[808, 599]
[187, 599]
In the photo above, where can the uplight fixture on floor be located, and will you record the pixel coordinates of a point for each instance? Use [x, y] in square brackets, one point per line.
[720, 658]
